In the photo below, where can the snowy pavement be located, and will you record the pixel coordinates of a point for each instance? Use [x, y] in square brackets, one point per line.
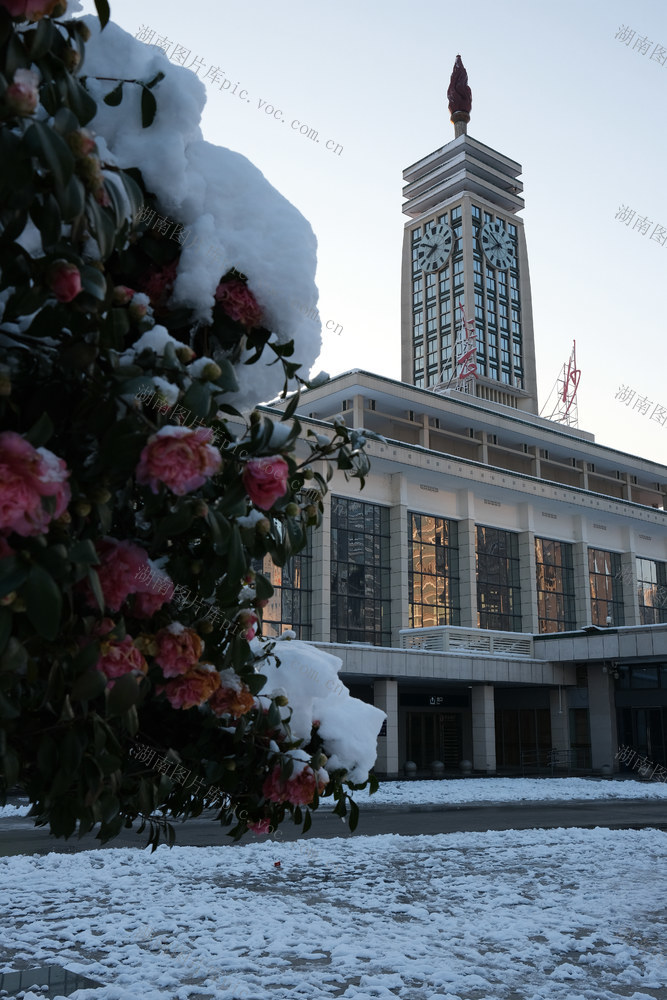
[478, 790]
[514, 915]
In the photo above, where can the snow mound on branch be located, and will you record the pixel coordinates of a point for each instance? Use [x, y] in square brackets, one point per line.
[309, 678]
[236, 217]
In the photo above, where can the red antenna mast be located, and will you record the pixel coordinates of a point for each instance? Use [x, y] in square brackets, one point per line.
[561, 405]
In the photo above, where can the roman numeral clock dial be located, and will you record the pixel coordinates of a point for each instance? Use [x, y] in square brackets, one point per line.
[497, 244]
[435, 246]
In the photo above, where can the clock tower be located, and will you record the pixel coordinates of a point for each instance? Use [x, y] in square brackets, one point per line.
[465, 269]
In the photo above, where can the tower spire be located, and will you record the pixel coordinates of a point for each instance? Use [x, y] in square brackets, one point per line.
[459, 95]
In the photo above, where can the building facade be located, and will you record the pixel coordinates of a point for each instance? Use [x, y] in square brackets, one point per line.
[499, 588]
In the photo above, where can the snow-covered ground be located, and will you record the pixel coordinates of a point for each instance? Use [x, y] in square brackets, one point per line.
[464, 790]
[528, 915]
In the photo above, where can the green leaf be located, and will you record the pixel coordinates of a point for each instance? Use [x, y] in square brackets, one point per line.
[291, 406]
[71, 198]
[43, 601]
[308, 821]
[5, 627]
[176, 523]
[41, 431]
[93, 282]
[103, 228]
[45, 213]
[103, 12]
[123, 695]
[84, 552]
[263, 587]
[10, 766]
[80, 101]
[148, 107]
[255, 682]
[115, 96]
[89, 685]
[94, 581]
[198, 399]
[41, 40]
[13, 572]
[44, 142]
[15, 657]
[227, 381]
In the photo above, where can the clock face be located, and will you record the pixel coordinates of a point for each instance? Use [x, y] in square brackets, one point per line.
[497, 244]
[435, 246]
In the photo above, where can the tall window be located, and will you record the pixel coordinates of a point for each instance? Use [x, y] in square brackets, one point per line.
[498, 588]
[289, 606]
[555, 585]
[433, 571]
[604, 573]
[360, 572]
[652, 591]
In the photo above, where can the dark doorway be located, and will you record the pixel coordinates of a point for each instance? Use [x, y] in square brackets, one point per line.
[434, 736]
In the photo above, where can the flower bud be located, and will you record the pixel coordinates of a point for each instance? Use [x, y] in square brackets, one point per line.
[137, 311]
[200, 508]
[82, 508]
[197, 566]
[311, 511]
[22, 97]
[206, 627]
[292, 510]
[100, 495]
[81, 142]
[19, 605]
[122, 295]
[64, 280]
[263, 526]
[281, 700]
[71, 59]
[83, 30]
[255, 417]
[8, 599]
[211, 371]
[308, 474]
[185, 354]
[230, 765]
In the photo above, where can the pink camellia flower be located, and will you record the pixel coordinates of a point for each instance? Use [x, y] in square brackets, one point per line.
[193, 688]
[120, 657]
[239, 303]
[179, 649]
[261, 826]
[180, 458]
[64, 280]
[265, 480]
[22, 97]
[33, 10]
[124, 570]
[233, 697]
[26, 475]
[248, 622]
[299, 789]
[158, 283]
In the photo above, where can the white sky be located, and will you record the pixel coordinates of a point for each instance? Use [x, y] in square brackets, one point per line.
[552, 88]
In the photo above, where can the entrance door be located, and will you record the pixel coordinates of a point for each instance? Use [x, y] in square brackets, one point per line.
[434, 736]
[650, 741]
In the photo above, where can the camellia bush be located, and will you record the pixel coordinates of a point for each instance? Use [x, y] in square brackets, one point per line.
[140, 486]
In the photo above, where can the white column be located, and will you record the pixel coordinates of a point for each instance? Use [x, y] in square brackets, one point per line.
[398, 548]
[321, 576]
[582, 584]
[483, 729]
[560, 719]
[467, 573]
[528, 579]
[385, 696]
[602, 716]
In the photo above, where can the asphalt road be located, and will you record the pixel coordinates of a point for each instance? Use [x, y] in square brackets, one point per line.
[18, 836]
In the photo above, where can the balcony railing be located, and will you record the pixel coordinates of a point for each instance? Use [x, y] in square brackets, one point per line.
[454, 639]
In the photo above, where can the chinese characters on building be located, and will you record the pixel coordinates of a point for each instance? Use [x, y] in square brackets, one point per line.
[642, 404]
